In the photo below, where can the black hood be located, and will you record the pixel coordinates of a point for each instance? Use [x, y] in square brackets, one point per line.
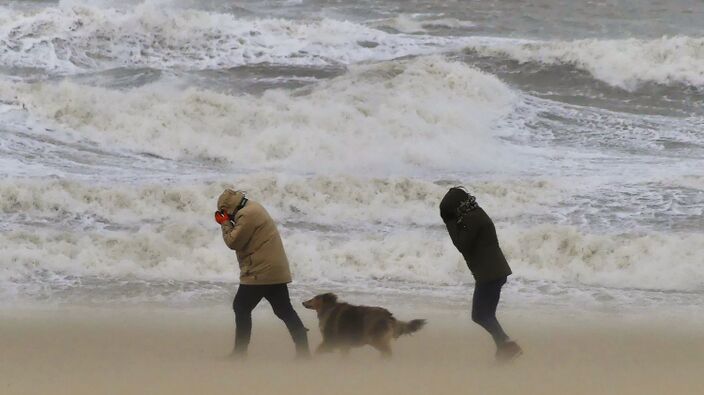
[450, 203]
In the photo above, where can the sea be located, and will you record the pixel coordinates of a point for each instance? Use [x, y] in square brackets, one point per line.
[579, 127]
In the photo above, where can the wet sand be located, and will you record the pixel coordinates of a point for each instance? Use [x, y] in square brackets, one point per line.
[158, 350]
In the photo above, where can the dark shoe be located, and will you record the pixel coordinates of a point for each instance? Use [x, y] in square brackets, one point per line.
[508, 352]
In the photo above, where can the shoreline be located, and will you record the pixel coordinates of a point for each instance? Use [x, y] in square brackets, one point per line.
[518, 295]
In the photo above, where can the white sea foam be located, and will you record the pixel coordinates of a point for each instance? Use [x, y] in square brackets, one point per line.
[656, 134]
[420, 114]
[625, 63]
[343, 229]
[546, 252]
[321, 201]
[333, 226]
[74, 37]
[182, 250]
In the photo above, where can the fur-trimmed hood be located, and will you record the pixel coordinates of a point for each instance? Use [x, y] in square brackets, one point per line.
[229, 201]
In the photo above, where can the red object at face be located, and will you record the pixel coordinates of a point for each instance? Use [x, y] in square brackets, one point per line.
[221, 217]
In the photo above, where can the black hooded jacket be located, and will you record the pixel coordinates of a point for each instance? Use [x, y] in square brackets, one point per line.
[475, 237]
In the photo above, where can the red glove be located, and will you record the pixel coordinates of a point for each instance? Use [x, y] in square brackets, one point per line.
[221, 217]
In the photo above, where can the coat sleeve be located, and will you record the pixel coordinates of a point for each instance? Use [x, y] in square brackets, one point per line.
[469, 234]
[237, 235]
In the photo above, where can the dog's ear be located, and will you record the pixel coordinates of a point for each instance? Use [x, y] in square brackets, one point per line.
[328, 298]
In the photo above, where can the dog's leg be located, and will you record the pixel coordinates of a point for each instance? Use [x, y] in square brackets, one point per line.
[384, 347]
[383, 344]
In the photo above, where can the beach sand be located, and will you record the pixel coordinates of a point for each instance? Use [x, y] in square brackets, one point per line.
[167, 350]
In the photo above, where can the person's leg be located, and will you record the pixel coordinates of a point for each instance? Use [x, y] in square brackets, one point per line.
[280, 301]
[484, 303]
[246, 299]
[486, 299]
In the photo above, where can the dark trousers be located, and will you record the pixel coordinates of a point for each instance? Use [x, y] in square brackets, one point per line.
[247, 298]
[484, 303]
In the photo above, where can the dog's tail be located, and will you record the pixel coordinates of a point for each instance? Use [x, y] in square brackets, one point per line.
[406, 328]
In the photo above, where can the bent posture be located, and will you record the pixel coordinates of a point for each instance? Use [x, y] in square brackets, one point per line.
[474, 235]
[344, 326]
[248, 229]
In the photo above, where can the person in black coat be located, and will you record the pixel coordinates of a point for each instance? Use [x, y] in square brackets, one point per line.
[474, 235]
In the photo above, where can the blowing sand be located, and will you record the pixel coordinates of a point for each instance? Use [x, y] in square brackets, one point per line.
[157, 350]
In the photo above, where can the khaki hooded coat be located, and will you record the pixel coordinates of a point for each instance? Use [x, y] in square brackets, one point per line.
[253, 235]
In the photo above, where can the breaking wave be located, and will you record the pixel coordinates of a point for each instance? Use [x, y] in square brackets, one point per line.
[177, 250]
[335, 229]
[624, 63]
[419, 114]
[74, 37]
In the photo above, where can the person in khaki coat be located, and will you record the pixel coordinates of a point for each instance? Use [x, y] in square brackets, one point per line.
[248, 229]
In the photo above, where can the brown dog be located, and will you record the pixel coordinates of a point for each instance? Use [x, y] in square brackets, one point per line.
[344, 326]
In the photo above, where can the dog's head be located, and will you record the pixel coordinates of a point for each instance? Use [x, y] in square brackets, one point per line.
[321, 302]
